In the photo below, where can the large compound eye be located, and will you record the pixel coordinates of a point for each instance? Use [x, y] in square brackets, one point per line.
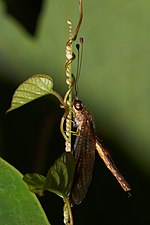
[77, 104]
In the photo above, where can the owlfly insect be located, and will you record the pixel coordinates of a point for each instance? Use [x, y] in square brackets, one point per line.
[86, 143]
[84, 152]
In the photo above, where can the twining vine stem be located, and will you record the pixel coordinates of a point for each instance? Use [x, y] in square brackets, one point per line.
[70, 56]
[67, 101]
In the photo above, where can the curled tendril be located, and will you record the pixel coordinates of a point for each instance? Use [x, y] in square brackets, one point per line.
[70, 80]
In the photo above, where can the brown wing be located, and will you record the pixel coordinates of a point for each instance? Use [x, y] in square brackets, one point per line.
[84, 153]
[104, 154]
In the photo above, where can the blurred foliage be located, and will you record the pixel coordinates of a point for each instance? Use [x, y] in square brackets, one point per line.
[18, 205]
[115, 74]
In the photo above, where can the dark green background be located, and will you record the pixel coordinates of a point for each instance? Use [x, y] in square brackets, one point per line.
[114, 85]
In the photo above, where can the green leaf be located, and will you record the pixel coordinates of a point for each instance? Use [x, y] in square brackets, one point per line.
[17, 204]
[35, 182]
[31, 89]
[60, 175]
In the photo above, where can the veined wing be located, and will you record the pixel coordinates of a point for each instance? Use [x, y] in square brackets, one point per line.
[84, 153]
